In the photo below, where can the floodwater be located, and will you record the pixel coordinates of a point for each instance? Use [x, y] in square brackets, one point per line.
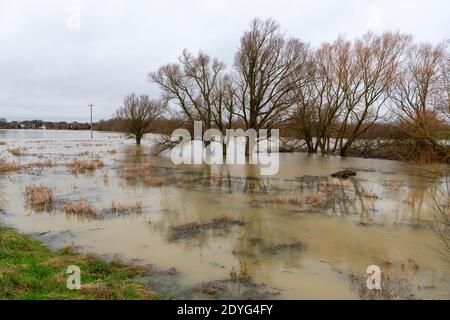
[298, 235]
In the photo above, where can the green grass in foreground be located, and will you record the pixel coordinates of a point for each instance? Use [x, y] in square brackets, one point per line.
[29, 270]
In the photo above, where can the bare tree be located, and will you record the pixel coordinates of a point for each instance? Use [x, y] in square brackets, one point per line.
[137, 114]
[200, 88]
[264, 68]
[421, 95]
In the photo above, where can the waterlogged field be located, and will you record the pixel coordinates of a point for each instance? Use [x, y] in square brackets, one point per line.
[224, 231]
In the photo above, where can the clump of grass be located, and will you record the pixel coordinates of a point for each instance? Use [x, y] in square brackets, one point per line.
[283, 199]
[2, 143]
[105, 178]
[6, 167]
[370, 195]
[122, 209]
[84, 166]
[82, 209]
[132, 174]
[335, 183]
[317, 198]
[112, 151]
[224, 218]
[142, 173]
[242, 275]
[29, 270]
[396, 280]
[39, 198]
[15, 151]
[128, 174]
[154, 181]
[42, 164]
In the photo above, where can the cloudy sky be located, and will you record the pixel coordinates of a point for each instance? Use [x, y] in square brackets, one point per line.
[57, 56]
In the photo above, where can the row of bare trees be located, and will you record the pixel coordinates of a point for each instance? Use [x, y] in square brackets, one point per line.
[330, 95]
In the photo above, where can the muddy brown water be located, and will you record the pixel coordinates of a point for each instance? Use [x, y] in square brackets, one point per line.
[297, 235]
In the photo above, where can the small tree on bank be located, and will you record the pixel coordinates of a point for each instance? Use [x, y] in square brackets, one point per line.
[137, 114]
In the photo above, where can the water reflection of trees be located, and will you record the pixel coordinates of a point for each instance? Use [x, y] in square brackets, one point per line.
[246, 243]
[202, 193]
[441, 215]
[401, 201]
[206, 195]
[353, 198]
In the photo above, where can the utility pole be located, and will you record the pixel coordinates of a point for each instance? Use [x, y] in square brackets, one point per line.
[91, 105]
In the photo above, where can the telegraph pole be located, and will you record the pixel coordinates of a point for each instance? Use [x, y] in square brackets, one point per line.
[91, 105]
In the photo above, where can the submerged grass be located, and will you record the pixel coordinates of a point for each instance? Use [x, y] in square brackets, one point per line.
[29, 270]
[42, 164]
[7, 167]
[15, 151]
[84, 166]
[81, 209]
[125, 209]
[396, 281]
[14, 166]
[142, 174]
[155, 181]
[242, 275]
[39, 198]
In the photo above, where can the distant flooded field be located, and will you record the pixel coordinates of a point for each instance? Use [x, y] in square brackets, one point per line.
[224, 231]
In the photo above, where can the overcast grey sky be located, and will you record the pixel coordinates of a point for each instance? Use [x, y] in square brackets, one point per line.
[53, 64]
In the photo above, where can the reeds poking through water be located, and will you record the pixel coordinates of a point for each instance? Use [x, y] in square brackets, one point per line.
[153, 181]
[85, 166]
[42, 164]
[125, 209]
[105, 178]
[317, 198]
[17, 152]
[397, 278]
[6, 167]
[39, 198]
[81, 209]
[131, 174]
[242, 276]
[128, 174]
[2, 143]
[142, 173]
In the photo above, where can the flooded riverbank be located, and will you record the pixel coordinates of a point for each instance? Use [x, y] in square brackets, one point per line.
[224, 231]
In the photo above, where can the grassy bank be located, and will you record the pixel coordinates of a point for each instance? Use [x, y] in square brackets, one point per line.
[29, 270]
